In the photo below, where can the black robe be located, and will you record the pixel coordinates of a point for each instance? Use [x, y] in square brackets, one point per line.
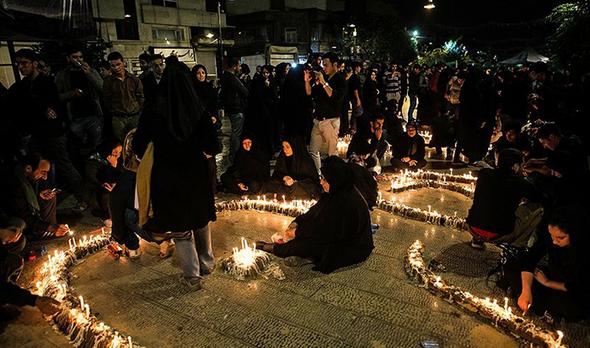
[301, 168]
[336, 231]
[181, 193]
[250, 168]
[260, 121]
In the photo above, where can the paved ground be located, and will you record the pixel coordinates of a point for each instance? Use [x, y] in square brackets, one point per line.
[369, 305]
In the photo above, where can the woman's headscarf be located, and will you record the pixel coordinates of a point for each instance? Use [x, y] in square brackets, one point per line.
[300, 165]
[337, 173]
[177, 101]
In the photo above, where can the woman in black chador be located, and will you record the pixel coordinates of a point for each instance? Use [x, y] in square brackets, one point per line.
[260, 118]
[180, 190]
[249, 172]
[295, 174]
[336, 231]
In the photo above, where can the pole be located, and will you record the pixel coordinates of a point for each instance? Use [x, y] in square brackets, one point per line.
[219, 42]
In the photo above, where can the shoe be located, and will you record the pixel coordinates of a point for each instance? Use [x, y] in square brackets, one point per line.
[477, 244]
[166, 249]
[108, 223]
[204, 271]
[195, 284]
[134, 254]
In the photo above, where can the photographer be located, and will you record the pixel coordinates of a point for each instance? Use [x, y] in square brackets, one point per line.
[79, 87]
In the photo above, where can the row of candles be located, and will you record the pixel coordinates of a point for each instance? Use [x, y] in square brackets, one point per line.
[245, 261]
[449, 176]
[75, 320]
[501, 316]
[429, 216]
[272, 205]
[404, 183]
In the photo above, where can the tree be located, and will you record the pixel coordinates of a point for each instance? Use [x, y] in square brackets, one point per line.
[380, 38]
[452, 51]
[570, 43]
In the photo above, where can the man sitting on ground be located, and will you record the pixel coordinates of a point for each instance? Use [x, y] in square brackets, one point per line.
[498, 213]
[26, 201]
[369, 142]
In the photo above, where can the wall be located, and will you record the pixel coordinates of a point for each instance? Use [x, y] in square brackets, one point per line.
[238, 7]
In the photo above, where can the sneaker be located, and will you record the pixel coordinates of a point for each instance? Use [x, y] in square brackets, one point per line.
[108, 223]
[477, 244]
[134, 254]
[192, 283]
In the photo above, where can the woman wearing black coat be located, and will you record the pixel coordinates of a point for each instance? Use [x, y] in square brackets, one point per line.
[295, 174]
[336, 231]
[181, 194]
[249, 171]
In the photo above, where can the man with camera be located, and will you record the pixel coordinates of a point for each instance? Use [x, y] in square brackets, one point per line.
[328, 94]
[79, 87]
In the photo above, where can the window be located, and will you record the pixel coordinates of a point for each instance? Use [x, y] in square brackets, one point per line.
[167, 3]
[127, 28]
[291, 35]
[167, 34]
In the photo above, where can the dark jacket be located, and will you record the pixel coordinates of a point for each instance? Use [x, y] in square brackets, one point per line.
[9, 262]
[29, 101]
[497, 194]
[88, 105]
[412, 147]
[233, 94]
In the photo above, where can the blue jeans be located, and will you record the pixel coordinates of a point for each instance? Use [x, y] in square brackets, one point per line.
[195, 252]
[237, 124]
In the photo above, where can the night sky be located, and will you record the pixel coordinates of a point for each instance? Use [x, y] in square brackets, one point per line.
[473, 12]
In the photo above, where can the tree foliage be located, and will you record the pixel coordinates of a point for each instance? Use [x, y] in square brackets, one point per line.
[570, 43]
[451, 51]
[381, 38]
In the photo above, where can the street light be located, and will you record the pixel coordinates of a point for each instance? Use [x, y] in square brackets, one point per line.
[430, 5]
[415, 33]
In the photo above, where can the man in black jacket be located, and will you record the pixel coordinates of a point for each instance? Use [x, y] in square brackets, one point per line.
[504, 206]
[233, 98]
[12, 242]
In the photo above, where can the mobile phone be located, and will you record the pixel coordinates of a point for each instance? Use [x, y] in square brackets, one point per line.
[55, 190]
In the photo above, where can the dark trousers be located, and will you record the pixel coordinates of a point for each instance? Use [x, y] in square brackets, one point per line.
[398, 164]
[11, 266]
[127, 234]
[55, 149]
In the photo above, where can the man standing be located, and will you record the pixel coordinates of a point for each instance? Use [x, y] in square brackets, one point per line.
[39, 118]
[327, 96]
[79, 87]
[413, 89]
[152, 78]
[233, 97]
[123, 96]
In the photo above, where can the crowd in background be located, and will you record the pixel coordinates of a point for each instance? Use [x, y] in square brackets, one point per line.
[78, 133]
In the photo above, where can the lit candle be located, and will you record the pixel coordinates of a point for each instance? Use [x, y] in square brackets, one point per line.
[506, 304]
[129, 341]
[87, 308]
[559, 338]
[81, 302]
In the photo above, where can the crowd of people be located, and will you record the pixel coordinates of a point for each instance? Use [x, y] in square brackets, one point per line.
[139, 153]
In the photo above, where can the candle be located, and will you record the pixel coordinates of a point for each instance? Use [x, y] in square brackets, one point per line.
[506, 304]
[129, 341]
[81, 302]
[559, 338]
[87, 308]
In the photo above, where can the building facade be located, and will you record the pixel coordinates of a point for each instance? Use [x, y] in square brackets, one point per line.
[186, 28]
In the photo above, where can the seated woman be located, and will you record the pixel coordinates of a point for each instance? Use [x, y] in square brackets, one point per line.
[295, 174]
[336, 231]
[562, 287]
[409, 151]
[248, 172]
[103, 170]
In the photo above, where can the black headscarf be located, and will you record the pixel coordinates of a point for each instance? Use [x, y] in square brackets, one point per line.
[177, 101]
[338, 174]
[299, 166]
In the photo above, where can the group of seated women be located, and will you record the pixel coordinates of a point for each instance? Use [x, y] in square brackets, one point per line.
[294, 176]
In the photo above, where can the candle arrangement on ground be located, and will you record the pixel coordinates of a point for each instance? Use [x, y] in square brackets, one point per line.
[75, 320]
[438, 176]
[289, 208]
[429, 216]
[247, 262]
[342, 145]
[404, 183]
[500, 314]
